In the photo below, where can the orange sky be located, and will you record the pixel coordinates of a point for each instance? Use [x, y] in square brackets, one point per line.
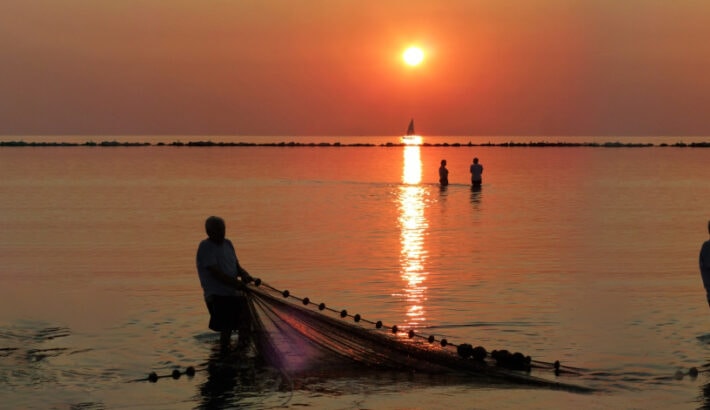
[333, 67]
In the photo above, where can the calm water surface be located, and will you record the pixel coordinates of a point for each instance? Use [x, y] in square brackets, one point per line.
[583, 255]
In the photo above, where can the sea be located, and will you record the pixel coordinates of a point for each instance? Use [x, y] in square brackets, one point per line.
[582, 254]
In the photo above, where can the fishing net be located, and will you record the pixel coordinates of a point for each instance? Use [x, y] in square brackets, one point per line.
[299, 337]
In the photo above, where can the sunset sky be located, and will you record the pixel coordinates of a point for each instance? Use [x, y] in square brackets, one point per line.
[335, 67]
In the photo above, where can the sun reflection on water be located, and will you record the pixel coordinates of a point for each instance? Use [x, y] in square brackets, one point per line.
[413, 226]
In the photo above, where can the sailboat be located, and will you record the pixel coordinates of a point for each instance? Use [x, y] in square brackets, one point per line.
[411, 138]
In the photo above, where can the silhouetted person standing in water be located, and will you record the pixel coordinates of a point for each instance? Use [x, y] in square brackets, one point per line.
[705, 265]
[476, 173]
[222, 280]
[443, 174]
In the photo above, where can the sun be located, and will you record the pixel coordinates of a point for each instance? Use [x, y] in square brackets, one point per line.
[413, 56]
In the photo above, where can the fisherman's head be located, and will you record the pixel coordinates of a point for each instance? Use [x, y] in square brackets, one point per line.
[215, 228]
[475, 160]
[443, 162]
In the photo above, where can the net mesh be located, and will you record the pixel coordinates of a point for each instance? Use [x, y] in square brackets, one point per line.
[300, 337]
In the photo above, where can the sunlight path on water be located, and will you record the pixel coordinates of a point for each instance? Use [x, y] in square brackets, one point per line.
[413, 225]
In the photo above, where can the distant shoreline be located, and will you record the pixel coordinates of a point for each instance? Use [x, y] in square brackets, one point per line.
[338, 144]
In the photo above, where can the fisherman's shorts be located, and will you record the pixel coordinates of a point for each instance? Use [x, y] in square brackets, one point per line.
[228, 313]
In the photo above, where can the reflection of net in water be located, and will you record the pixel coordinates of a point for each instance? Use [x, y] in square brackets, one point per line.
[301, 337]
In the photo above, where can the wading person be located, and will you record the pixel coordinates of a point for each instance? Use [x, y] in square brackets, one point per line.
[476, 173]
[443, 174]
[705, 265]
[222, 280]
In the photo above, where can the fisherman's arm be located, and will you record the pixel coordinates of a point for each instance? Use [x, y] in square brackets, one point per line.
[243, 274]
[218, 274]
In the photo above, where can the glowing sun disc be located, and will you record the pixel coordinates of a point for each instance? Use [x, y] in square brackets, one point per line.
[413, 56]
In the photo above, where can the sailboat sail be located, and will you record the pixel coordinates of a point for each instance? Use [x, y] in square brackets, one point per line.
[411, 138]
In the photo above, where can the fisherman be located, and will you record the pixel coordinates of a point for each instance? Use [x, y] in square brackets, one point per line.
[443, 174]
[705, 265]
[223, 279]
[476, 172]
